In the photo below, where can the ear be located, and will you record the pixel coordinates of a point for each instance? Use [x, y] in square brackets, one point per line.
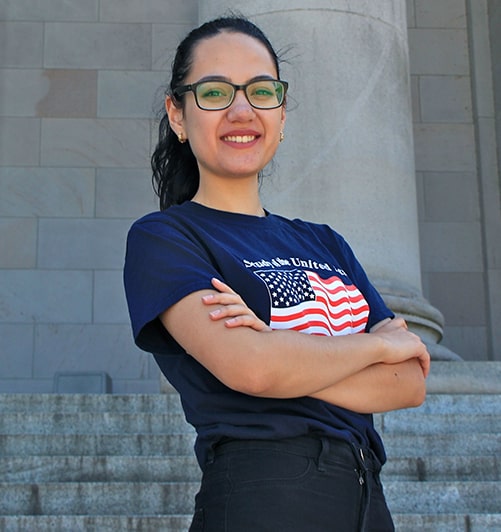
[175, 114]
[283, 117]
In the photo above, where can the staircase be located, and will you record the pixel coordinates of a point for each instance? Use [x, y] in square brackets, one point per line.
[100, 463]
[108, 463]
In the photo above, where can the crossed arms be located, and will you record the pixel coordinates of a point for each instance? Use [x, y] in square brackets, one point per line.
[367, 373]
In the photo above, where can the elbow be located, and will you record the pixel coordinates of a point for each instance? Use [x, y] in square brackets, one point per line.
[418, 394]
[256, 383]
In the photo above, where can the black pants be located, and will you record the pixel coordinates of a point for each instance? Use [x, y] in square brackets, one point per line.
[300, 484]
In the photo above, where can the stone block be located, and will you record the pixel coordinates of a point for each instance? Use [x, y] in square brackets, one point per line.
[66, 192]
[42, 10]
[21, 44]
[48, 93]
[16, 347]
[451, 247]
[438, 52]
[44, 296]
[82, 244]
[443, 14]
[411, 14]
[124, 193]
[444, 147]
[494, 280]
[165, 39]
[19, 242]
[97, 46]
[21, 386]
[70, 94]
[450, 197]
[88, 347]
[130, 94]
[460, 297]
[82, 382]
[101, 142]
[150, 11]
[445, 99]
[21, 90]
[130, 386]
[110, 305]
[19, 141]
[416, 107]
[469, 342]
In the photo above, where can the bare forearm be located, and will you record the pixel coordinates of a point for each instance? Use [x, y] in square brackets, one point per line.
[379, 388]
[281, 363]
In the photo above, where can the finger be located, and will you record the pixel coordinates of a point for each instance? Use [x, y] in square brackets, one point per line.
[222, 287]
[231, 311]
[222, 298]
[247, 321]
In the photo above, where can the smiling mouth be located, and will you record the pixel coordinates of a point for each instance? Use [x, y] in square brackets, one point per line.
[240, 139]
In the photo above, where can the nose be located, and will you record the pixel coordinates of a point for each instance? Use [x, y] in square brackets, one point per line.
[240, 108]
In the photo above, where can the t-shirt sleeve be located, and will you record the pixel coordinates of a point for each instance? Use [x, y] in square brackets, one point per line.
[162, 265]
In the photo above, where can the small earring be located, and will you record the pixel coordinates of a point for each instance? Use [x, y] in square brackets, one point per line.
[181, 138]
[282, 136]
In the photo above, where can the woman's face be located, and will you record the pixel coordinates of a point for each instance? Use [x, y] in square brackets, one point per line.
[238, 141]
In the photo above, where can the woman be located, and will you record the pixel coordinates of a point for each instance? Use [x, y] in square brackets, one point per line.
[258, 321]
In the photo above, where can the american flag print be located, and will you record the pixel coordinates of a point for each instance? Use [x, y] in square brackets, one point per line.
[304, 301]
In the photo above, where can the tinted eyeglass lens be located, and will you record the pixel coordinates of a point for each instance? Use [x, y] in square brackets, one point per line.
[214, 94]
[264, 94]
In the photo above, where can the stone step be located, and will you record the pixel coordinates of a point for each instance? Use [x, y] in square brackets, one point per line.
[97, 444]
[397, 446]
[80, 403]
[466, 444]
[440, 497]
[466, 404]
[448, 522]
[402, 422]
[99, 469]
[180, 523]
[141, 498]
[185, 468]
[90, 423]
[105, 523]
[407, 422]
[450, 468]
[97, 498]
[170, 403]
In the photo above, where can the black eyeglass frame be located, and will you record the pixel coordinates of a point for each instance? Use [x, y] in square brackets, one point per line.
[192, 87]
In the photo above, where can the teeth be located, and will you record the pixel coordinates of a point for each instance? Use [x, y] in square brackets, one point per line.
[240, 139]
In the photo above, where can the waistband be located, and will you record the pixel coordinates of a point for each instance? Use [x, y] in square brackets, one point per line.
[321, 448]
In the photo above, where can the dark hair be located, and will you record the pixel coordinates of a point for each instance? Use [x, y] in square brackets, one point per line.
[175, 170]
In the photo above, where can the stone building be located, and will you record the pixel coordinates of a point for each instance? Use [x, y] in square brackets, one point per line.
[393, 124]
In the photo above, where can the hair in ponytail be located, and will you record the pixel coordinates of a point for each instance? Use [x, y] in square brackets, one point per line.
[175, 169]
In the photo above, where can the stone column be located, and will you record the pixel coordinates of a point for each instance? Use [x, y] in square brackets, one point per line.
[348, 156]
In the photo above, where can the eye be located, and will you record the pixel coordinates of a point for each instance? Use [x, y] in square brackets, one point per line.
[214, 91]
[262, 90]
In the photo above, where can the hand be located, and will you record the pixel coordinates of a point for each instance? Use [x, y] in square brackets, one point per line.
[232, 307]
[403, 344]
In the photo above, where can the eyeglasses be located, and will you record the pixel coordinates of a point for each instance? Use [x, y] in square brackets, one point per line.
[215, 95]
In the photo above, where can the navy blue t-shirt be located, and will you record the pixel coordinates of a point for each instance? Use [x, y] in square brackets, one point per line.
[292, 274]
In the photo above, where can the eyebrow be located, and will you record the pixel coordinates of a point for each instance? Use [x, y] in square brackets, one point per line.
[224, 78]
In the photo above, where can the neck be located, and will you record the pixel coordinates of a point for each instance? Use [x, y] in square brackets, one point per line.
[239, 198]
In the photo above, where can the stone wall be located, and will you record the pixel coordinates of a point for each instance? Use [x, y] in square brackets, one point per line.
[78, 82]
[452, 100]
[78, 86]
